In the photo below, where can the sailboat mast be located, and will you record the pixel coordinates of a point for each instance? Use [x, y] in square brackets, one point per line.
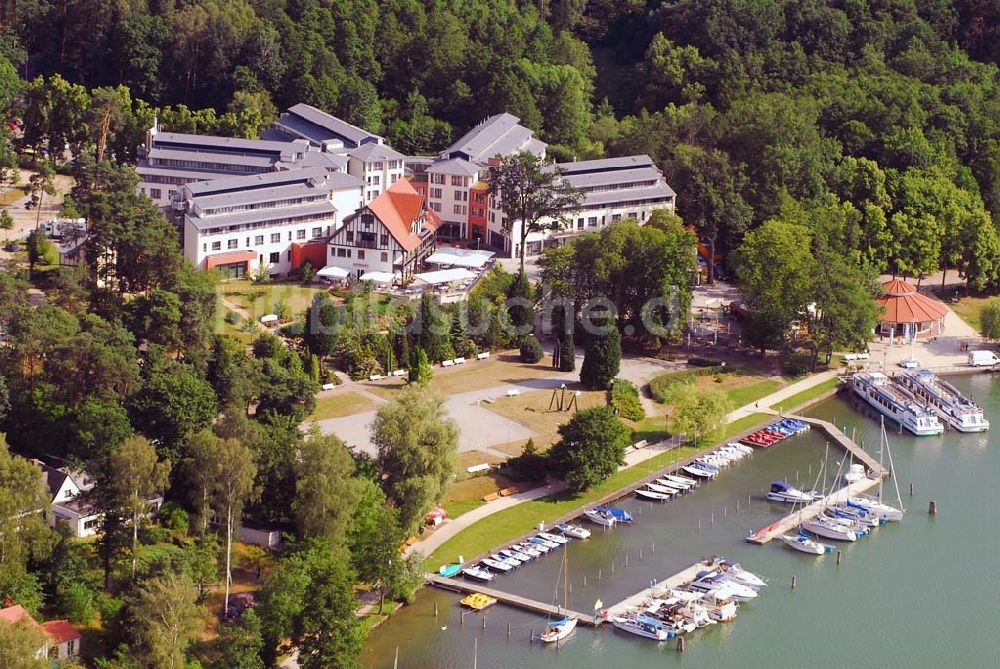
[882, 442]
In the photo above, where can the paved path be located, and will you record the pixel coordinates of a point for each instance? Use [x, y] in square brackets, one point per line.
[775, 398]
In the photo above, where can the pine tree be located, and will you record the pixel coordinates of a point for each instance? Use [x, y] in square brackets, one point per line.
[420, 367]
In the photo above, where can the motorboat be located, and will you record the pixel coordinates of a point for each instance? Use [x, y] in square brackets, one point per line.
[556, 538]
[897, 403]
[709, 581]
[621, 515]
[574, 531]
[478, 573]
[672, 488]
[538, 544]
[477, 601]
[680, 480]
[855, 473]
[782, 491]
[600, 516]
[643, 625]
[652, 494]
[557, 630]
[879, 509]
[512, 561]
[945, 399]
[805, 544]
[829, 529]
[737, 573]
[529, 550]
[515, 554]
[449, 570]
[539, 541]
[501, 566]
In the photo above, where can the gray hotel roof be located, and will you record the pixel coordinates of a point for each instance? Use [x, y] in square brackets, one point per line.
[370, 152]
[457, 166]
[605, 164]
[226, 144]
[613, 177]
[250, 181]
[661, 191]
[224, 157]
[317, 121]
[190, 175]
[500, 134]
[252, 196]
[260, 215]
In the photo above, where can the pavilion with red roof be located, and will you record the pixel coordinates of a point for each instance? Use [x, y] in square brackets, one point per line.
[905, 310]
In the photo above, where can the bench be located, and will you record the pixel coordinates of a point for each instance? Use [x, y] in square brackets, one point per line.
[375, 377]
[492, 496]
[459, 361]
[640, 444]
[507, 492]
[513, 392]
[483, 355]
[447, 363]
[329, 386]
[483, 467]
[399, 372]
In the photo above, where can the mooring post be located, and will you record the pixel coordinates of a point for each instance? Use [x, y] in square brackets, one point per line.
[793, 582]
[840, 556]
[585, 580]
[932, 509]
[680, 644]
[725, 512]
[531, 635]
[435, 609]
[612, 566]
[737, 506]
[484, 622]
[508, 631]
[600, 574]
[713, 517]
[699, 524]
[626, 560]
[640, 554]
[911, 489]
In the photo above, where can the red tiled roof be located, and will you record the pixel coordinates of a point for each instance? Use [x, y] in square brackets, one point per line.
[903, 304]
[397, 208]
[60, 631]
[12, 614]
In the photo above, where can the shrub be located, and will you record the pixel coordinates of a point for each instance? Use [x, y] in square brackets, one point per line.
[531, 349]
[664, 386]
[233, 318]
[703, 362]
[466, 348]
[795, 364]
[174, 517]
[625, 399]
[529, 466]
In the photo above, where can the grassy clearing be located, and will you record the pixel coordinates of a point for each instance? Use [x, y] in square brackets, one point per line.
[342, 404]
[650, 428]
[801, 398]
[515, 521]
[968, 309]
[531, 410]
[751, 392]
[260, 299]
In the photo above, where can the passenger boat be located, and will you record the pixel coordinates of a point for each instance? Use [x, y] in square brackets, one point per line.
[782, 491]
[804, 544]
[600, 516]
[652, 494]
[477, 601]
[643, 625]
[503, 566]
[574, 531]
[945, 399]
[829, 529]
[896, 402]
[478, 573]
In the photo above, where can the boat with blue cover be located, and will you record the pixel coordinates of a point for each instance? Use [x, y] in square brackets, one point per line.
[783, 491]
[644, 626]
[620, 515]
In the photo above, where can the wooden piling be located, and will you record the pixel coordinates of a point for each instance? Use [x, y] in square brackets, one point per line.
[840, 556]
[793, 582]
[911, 489]
[932, 509]
[680, 644]
[508, 630]
[484, 622]
[435, 609]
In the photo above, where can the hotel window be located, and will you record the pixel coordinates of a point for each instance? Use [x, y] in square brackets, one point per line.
[317, 232]
[361, 254]
[275, 237]
[616, 217]
[233, 244]
[383, 240]
[259, 239]
[155, 193]
[579, 224]
[350, 236]
[393, 178]
[436, 193]
[300, 234]
[377, 166]
[376, 180]
[385, 257]
[204, 247]
[216, 246]
[592, 222]
[457, 181]
[460, 209]
[275, 258]
[437, 179]
[458, 195]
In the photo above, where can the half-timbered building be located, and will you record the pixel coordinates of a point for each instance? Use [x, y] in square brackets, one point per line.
[393, 233]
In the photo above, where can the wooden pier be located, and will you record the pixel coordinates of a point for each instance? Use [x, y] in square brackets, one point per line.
[677, 580]
[793, 520]
[517, 601]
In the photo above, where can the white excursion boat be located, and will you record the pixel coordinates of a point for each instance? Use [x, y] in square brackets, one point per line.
[652, 494]
[575, 531]
[896, 402]
[829, 529]
[782, 491]
[478, 573]
[600, 516]
[945, 399]
[804, 544]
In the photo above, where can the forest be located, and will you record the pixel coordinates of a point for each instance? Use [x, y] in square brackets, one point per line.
[814, 144]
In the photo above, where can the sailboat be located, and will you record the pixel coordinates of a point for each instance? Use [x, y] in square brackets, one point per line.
[876, 506]
[562, 627]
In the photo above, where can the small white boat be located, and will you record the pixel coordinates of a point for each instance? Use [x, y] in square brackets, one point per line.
[478, 573]
[554, 538]
[737, 573]
[879, 509]
[643, 626]
[515, 554]
[855, 473]
[720, 609]
[804, 544]
[575, 531]
[665, 489]
[743, 448]
[716, 581]
[541, 547]
[829, 529]
[530, 551]
[558, 630]
[512, 561]
[539, 541]
[782, 491]
[497, 564]
[701, 472]
[600, 516]
[680, 480]
[652, 494]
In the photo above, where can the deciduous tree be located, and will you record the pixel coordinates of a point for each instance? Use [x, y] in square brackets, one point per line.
[591, 448]
[326, 492]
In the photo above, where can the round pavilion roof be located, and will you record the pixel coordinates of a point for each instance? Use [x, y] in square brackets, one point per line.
[903, 304]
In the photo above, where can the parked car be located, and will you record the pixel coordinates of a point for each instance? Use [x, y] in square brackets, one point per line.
[12, 248]
[909, 363]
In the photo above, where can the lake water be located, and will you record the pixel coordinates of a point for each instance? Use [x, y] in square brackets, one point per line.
[921, 593]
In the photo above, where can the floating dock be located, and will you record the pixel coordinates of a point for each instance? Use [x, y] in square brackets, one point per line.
[793, 520]
[517, 601]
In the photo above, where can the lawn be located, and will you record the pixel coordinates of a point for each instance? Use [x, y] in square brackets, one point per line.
[751, 392]
[340, 404]
[260, 299]
[513, 522]
[968, 309]
[798, 399]
[531, 409]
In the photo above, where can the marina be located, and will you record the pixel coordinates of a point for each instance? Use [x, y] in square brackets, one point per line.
[861, 597]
